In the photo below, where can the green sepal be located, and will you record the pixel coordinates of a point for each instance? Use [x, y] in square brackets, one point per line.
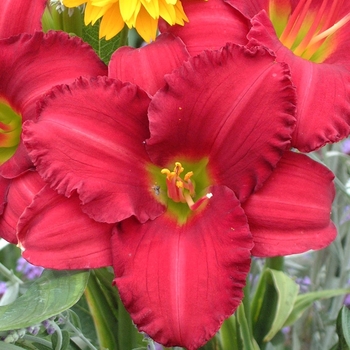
[51, 294]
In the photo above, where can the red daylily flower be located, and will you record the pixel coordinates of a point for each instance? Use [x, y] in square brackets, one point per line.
[29, 66]
[17, 17]
[313, 38]
[181, 248]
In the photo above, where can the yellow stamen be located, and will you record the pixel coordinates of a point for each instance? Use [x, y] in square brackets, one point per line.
[182, 190]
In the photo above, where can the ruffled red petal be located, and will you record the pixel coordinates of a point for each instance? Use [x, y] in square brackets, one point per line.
[20, 16]
[147, 65]
[211, 25]
[234, 106]
[31, 65]
[54, 233]
[291, 213]
[179, 282]
[19, 195]
[8, 235]
[90, 138]
[323, 113]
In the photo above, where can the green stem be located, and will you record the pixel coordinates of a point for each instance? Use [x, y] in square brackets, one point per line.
[71, 327]
[38, 340]
[123, 36]
[275, 263]
[59, 335]
[9, 274]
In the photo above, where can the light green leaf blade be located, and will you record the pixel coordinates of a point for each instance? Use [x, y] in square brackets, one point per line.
[287, 292]
[248, 341]
[304, 301]
[5, 346]
[343, 330]
[345, 323]
[51, 294]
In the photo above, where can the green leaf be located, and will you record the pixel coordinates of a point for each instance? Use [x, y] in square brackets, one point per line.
[51, 294]
[39, 346]
[343, 330]
[5, 346]
[74, 318]
[304, 301]
[345, 324]
[287, 291]
[272, 304]
[247, 338]
[60, 340]
[113, 324]
[103, 48]
[228, 335]
[103, 315]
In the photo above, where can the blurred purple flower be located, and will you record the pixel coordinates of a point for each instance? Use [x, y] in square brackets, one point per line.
[3, 287]
[345, 146]
[30, 271]
[347, 301]
[304, 283]
[346, 214]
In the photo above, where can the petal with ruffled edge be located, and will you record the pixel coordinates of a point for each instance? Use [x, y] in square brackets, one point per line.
[31, 65]
[291, 213]
[90, 138]
[235, 106]
[211, 25]
[8, 235]
[53, 232]
[20, 16]
[19, 194]
[147, 65]
[180, 282]
[323, 109]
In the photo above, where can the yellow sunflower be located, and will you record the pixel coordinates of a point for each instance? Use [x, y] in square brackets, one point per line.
[143, 15]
